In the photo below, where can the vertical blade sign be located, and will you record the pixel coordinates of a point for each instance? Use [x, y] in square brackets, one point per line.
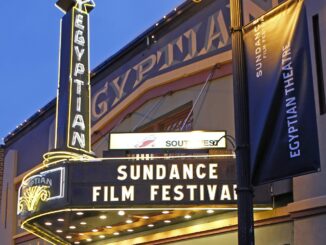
[73, 103]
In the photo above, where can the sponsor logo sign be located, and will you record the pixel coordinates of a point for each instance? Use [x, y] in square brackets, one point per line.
[168, 140]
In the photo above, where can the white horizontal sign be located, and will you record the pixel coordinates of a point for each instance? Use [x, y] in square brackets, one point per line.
[168, 140]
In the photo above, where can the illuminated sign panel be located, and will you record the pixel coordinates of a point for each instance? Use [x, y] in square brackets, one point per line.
[168, 140]
[79, 124]
[73, 101]
[116, 183]
[41, 188]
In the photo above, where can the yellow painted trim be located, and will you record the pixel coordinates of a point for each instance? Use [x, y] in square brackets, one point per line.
[57, 100]
[70, 73]
[22, 234]
[89, 88]
[43, 235]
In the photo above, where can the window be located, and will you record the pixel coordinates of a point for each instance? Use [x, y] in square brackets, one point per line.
[171, 122]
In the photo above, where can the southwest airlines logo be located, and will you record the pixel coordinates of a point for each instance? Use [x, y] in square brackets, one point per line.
[146, 142]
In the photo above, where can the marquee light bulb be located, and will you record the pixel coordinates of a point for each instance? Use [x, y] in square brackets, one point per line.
[187, 216]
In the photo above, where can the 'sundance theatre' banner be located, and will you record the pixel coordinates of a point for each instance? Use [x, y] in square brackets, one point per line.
[283, 133]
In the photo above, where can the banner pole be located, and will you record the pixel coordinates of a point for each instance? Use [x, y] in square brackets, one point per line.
[240, 93]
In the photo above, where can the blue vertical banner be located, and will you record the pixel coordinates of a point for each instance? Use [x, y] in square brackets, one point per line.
[283, 129]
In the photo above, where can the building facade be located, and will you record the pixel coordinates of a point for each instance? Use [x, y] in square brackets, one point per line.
[177, 76]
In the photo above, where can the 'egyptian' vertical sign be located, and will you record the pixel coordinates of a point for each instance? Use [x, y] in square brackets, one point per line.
[283, 129]
[73, 100]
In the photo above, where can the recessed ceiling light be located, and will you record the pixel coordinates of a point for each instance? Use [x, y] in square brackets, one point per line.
[108, 226]
[89, 239]
[68, 237]
[95, 230]
[145, 217]
[101, 236]
[79, 213]
[165, 212]
[129, 221]
[116, 233]
[187, 216]
[103, 217]
[59, 231]
[167, 221]
[76, 242]
[210, 211]
[83, 223]
[150, 225]
[130, 230]
[48, 223]
[81, 234]
[121, 213]
[72, 227]
[60, 220]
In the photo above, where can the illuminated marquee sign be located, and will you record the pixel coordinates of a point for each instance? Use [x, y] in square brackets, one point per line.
[168, 140]
[41, 188]
[73, 105]
[116, 183]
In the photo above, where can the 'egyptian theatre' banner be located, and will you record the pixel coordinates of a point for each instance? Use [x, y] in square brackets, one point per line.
[283, 131]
